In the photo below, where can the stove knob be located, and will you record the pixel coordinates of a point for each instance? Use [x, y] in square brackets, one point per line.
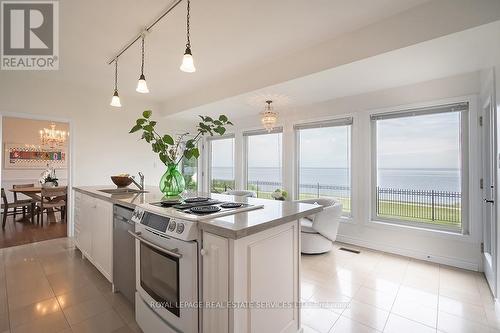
[171, 226]
[180, 228]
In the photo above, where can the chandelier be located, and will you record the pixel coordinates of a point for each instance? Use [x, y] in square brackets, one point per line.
[269, 117]
[52, 137]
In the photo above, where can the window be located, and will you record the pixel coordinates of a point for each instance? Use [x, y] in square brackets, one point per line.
[190, 173]
[221, 157]
[263, 162]
[419, 176]
[324, 164]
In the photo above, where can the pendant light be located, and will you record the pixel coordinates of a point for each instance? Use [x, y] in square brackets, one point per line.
[115, 100]
[269, 117]
[187, 60]
[142, 87]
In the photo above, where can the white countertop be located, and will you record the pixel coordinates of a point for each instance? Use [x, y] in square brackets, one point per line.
[235, 226]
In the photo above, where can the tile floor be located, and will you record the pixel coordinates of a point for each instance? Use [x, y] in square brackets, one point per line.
[47, 287]
[387, 293]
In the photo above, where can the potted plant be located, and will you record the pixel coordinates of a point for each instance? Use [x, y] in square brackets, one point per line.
[48, 178]
[171, 151]
[279, 195]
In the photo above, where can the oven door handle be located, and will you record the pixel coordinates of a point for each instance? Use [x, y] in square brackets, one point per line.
[171, 252]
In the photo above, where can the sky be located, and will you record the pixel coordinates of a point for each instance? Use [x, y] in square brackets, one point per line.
[428, 141]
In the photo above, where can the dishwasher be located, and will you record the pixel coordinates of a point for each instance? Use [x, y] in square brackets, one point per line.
[123, 253]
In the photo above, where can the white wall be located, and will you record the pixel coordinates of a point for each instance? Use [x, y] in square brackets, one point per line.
[26, 132]
[458, 250]
[101, 145]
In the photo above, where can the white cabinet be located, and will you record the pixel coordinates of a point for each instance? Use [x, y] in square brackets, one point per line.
[94, 231]
[215, 282]
[262, 268]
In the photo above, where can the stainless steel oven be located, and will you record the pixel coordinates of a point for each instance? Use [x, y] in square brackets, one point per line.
[166, 276]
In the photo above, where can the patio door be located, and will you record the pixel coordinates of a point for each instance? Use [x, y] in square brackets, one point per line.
[489, 249]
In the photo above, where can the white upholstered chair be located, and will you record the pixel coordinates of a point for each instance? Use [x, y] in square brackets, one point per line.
[319, 231]
[249, 194]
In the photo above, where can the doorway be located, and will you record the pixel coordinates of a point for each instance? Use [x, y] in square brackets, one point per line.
[35, 155]
[488, 181]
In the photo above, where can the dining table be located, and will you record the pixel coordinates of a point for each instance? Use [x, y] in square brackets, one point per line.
[35, 194]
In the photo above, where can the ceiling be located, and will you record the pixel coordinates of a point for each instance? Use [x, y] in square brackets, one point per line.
[227, 36]
[462, 52]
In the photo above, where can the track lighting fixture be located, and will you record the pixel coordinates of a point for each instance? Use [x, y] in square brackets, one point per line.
[142, 87]
[115, 100]
[187, 60]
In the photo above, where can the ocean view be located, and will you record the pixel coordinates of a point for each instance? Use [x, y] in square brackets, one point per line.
[412, 179]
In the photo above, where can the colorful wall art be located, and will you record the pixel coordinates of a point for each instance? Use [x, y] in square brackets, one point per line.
[27, 157]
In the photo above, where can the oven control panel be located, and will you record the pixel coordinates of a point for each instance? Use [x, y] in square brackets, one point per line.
[173, 227]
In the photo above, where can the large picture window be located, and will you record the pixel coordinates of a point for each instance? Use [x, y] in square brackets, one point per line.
[419, 174]
[263, 162]
[324, 164]
[221, 164]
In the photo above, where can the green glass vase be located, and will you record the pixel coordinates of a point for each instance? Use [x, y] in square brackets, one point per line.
[172, 182]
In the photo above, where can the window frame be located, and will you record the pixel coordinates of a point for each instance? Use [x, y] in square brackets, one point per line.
[209, 158]
[249, 133]
[330, 122]
[465, 110]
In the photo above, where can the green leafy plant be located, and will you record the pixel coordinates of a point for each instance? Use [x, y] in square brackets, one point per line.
[170, 150]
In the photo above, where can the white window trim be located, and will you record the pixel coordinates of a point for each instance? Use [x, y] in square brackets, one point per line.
[248, 133]
[208, 183]
[465, 146]
[341, 120]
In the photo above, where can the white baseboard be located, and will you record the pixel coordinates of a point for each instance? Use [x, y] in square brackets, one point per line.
[473, 266]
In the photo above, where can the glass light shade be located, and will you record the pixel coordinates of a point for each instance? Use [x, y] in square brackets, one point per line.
[269, 120]
[115, 100]
[188, 63]
[142, 86]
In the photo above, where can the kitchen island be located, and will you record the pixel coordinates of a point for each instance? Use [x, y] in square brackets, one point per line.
[247, 263]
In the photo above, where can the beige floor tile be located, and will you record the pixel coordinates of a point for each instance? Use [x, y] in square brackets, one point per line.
[464, 310]
[52, 323]
[4, 322]
[103, 323]
[367, 315]
[85, 310]
[307, 329]
[348, 325]
[397, 324]
[448, 323]
[376, 298]
[422, 297]
[27, 297]
[382, 285]
[416, 312]
[64, 282]
[33, 312]
[460, 295]
[77, 296]
[320, 320]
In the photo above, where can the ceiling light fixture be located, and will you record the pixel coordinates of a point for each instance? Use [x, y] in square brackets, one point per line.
[269, 117]
[52, 137]
[115, 100]
[187, 60]
[142, 87]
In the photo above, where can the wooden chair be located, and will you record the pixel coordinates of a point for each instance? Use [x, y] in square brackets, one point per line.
[27, 202]
[6, 205]
[53, 198]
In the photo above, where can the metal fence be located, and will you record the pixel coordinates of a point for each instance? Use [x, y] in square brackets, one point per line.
[426, 205]
[342, 193]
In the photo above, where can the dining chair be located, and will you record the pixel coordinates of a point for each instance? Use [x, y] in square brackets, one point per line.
[28, 202]
[6, 205]
[53, 198]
